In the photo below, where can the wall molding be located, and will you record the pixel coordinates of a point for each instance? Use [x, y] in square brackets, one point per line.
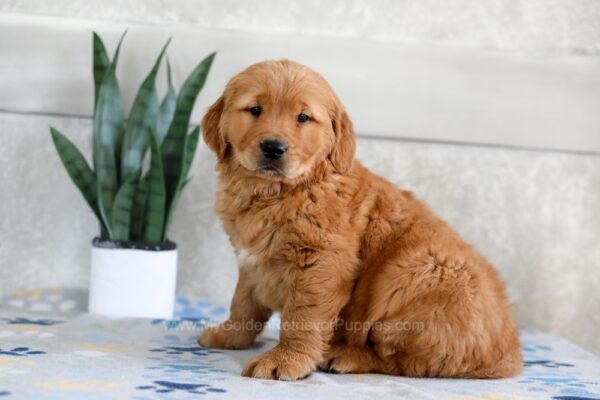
[391, 90]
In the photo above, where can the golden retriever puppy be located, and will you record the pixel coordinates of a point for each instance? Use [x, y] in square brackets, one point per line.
[366, 278]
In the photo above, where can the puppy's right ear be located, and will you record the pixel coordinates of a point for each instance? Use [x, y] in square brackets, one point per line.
[210, 129]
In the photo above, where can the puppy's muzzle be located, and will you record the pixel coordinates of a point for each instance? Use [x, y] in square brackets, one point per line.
[273, 149]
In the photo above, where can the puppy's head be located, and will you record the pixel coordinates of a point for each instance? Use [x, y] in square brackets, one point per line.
[279, 120]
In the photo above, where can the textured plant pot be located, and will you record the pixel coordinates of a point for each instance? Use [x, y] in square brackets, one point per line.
[132, 279]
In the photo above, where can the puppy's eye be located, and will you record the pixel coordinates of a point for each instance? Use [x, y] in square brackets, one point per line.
[302, 118]
[256, 110]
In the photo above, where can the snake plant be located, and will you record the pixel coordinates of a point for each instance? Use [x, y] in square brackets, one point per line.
[134, 203]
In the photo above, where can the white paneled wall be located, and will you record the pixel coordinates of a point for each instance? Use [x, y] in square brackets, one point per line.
[521, 26]
[392, 89]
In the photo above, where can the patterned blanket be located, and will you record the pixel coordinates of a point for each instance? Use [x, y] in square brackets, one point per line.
[51, 349]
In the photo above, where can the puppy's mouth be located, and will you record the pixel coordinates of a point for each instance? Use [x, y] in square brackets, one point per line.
[271, 169]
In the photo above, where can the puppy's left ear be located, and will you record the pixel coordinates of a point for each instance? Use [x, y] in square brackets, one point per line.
[211, 131]
[344, 146]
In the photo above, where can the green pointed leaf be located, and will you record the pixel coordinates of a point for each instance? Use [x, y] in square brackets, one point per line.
[139, 208]
[173, 146]
[141, 119]
[118, 50]
[101, 64]
[157, 196]
[121, 211]
[184, 184]
[173, 206]
[119, 133]
[190, 151]
[77, 167]
[108, 128]
[191, 143]
[80, 172]
[167, 108]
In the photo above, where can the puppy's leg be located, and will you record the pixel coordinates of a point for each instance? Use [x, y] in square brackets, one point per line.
[308, 319]
[246, 320]
[349, 359]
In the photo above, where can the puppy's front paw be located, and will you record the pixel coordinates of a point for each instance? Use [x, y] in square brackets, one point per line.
[280, 363]
[225, 336]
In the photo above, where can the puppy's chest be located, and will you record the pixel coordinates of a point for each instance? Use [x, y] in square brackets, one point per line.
[271, 281]
[257, 234]
[259, 239]
[274, 238]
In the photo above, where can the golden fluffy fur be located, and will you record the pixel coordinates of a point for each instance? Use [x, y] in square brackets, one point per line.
[366, 278]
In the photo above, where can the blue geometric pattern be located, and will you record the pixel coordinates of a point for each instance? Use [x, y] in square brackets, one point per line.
[20, 352]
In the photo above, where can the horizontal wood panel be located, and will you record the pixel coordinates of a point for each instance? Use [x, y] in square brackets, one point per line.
[390, 89]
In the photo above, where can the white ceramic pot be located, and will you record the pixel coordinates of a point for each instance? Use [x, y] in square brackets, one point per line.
[132, 282]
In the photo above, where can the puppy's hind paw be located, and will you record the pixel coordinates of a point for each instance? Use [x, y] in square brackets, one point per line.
[341, 359]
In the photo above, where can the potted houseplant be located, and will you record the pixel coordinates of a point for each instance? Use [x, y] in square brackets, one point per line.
[133, 263]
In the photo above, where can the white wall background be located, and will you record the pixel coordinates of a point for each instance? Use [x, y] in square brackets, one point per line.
[523, 26]
[535, 214]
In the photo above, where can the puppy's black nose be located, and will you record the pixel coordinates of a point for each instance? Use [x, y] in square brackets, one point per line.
[273, 149]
